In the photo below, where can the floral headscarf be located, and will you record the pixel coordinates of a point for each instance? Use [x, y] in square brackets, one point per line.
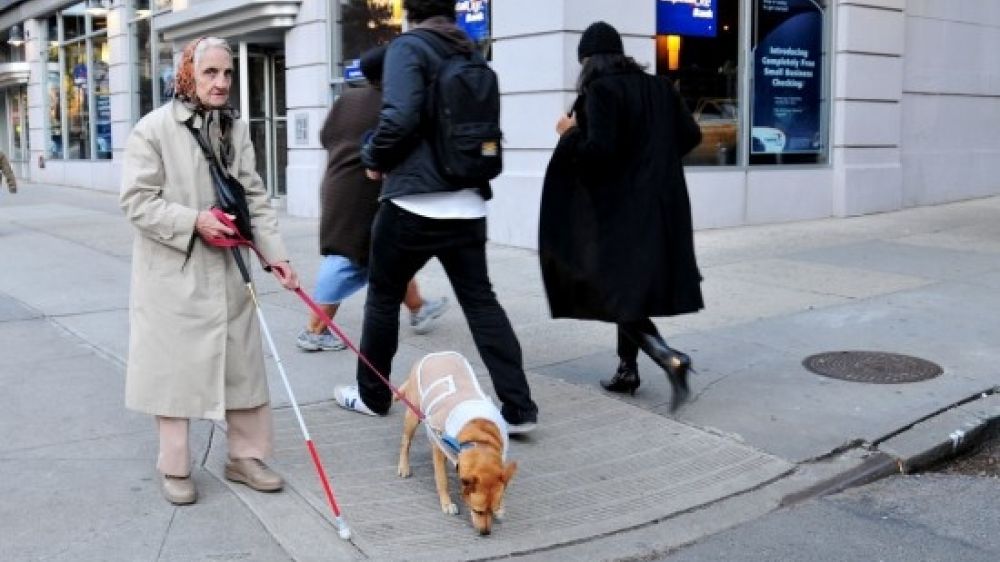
[217, 123]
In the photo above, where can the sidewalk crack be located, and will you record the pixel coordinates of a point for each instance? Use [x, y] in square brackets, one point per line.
[208, 447]
[166, 534]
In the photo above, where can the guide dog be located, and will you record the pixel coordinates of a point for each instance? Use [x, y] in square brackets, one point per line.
[465, 427]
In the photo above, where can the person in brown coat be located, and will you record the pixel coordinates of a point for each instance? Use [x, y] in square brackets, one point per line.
[348, 204]
[8, 172]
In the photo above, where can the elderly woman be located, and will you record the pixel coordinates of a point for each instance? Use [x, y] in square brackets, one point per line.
[195, 347]
[615, 235]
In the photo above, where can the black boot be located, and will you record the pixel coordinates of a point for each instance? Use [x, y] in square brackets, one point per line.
[674, 363]
[626, 379]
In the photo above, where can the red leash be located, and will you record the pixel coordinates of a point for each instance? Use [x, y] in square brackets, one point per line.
[237, 239]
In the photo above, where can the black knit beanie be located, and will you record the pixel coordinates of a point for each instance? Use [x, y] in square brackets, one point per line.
[599, 39]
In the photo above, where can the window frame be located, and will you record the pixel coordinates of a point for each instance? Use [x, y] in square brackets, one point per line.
[155, 44]
[60, 44]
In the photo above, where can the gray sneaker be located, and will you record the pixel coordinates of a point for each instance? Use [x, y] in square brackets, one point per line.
[423, 320]
[308, 341]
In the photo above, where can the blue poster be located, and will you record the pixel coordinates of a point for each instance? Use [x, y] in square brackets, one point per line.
[693, 18]
[788, 89]
[352, 70]
[473, 16]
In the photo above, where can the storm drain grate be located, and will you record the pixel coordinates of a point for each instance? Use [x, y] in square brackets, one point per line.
[872, 367]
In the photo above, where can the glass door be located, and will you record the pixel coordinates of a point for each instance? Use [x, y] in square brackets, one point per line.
[263, 108]
[14, 128]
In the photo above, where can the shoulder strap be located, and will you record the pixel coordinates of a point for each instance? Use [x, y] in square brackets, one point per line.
[205, 149]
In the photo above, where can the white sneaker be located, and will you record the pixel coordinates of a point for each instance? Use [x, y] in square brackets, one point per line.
[308, 341]
[349, 398]
[423, 320]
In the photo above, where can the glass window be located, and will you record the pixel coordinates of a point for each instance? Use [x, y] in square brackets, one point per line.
[8, 52]
[143, 70]
[102, 98]
[788, 124]
[165, 64]
[98, 23]
[74, 20]
[53, 98]
[77, 101]
[366, 24]
[280, 102]
[16, 104]
[52, 27]
[698, 47]
[78, 85]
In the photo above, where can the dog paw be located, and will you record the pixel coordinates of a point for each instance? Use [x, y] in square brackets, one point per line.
[449, 508]
[403, 471]
[499, 513]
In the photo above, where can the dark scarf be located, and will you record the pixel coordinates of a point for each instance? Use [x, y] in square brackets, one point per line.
[216, 130]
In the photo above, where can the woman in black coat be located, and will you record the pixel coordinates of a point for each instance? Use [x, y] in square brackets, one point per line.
[615, 235]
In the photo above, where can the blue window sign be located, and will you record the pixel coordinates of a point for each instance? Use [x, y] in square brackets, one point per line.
[352, 70]
[473, 16]
[693, 18]
[787, 58]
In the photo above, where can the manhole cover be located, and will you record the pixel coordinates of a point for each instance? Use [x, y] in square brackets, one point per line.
[872, 366]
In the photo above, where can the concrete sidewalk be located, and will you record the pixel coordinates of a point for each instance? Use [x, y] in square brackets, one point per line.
[604, 477]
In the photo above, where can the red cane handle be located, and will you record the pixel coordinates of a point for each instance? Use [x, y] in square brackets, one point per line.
[227, 241]
[235, 239]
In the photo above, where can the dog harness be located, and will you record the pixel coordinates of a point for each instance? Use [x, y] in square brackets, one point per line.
[451, 397]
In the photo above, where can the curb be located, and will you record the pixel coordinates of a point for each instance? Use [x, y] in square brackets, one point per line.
[919, 446]
[944, 436]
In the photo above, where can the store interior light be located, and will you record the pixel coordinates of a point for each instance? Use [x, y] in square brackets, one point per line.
[98, 7]
[15, 37]
[673, 52]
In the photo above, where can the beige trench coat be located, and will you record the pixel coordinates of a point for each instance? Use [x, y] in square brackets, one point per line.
[194, 346]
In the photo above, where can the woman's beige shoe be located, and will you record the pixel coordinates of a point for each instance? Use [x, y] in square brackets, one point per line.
[254, 473]
[178, 490]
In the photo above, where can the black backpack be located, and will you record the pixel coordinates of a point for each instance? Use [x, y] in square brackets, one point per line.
[464, 110]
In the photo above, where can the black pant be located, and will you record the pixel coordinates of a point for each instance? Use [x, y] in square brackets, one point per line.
[402, 243]
[629, 334]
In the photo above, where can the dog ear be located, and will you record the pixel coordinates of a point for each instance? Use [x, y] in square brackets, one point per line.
[469, 483]
[509, 470]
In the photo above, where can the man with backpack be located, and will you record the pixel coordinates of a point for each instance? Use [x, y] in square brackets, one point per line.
[438, 144]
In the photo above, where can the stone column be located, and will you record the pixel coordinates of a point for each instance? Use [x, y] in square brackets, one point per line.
[121, 76]
[534, 55]
[869, 42]
[307, 53]
[35, 54]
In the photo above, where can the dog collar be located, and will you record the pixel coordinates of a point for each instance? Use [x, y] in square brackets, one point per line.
[455, 445]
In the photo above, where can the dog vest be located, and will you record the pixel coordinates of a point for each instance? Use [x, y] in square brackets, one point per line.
[451, 397]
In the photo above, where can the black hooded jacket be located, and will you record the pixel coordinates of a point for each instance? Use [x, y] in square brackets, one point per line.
[400, 145]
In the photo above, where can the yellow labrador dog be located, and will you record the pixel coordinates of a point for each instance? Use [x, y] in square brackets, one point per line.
[444, 387]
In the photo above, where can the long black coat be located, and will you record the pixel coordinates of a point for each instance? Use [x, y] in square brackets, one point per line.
[615, 234]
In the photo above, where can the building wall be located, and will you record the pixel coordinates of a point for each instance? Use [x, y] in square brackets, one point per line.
[915, 101]
[951, 101]
[308, 98]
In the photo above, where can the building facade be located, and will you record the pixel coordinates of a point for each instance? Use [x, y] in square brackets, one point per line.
[809, 108]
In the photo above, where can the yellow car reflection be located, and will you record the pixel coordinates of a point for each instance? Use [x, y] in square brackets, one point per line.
[718, 119]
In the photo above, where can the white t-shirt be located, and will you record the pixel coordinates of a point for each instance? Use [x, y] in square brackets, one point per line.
[463, 204]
